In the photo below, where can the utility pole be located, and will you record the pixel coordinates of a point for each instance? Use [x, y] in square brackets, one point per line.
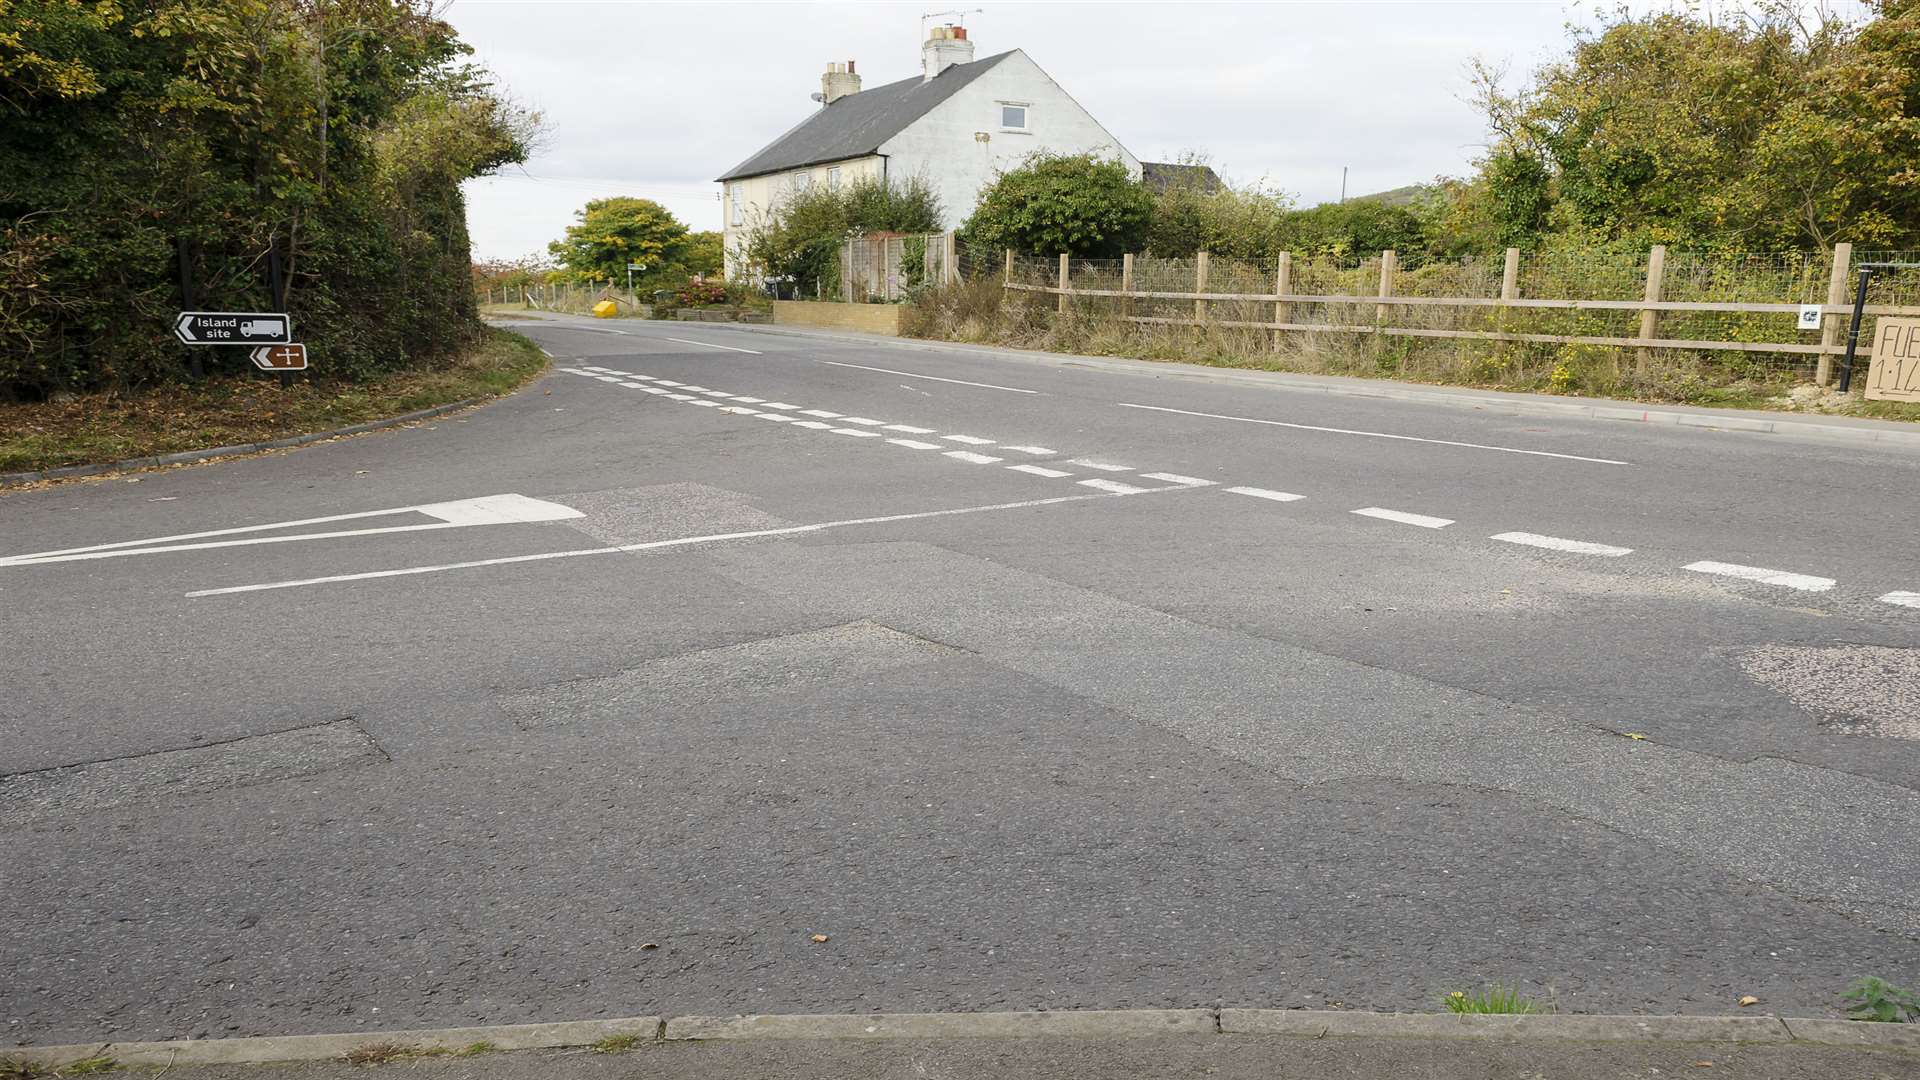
[1343, 185]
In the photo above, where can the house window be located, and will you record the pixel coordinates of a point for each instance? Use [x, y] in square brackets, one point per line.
[802, 182]
[833, 178]
[1013, 117]
[739, 212]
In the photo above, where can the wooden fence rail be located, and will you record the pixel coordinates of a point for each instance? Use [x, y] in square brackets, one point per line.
[1834, 312]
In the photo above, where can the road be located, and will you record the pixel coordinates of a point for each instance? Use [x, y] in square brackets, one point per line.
[1026, 683]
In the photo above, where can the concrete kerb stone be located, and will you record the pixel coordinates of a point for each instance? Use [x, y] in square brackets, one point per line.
[15, 479]
[1812, 431]
[1845, 1035]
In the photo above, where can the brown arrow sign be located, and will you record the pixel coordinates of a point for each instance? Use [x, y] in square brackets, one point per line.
[289, 357]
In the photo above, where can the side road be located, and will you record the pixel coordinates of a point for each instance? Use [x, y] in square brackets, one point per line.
[1212, 1042]
[1846, 430]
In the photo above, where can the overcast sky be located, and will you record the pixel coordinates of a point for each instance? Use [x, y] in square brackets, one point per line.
[657, 99]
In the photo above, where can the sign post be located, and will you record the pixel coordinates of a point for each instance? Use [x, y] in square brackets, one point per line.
[291, 357]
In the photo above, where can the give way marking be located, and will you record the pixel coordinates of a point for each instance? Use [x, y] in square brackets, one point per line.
[487, 510]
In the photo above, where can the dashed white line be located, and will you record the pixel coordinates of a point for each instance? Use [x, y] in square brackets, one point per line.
[744, 399]
[775, 416]
[1374, 434]
[1555, 543]
[653, 390]
[780, 405]
[1404, 518]
[698, 389]
[855, 432]
[910, 429]
[970, 456]
[608, 378]
[681, 397]
[1267, 493]
[1103, 466]
[1176, 478]
[863, 420]
[1802, 582]
[914, 444]
[821, 413]
[970, 440]
[1036, 451]
[1038, 470]
[1115, 486]
[549, 355]
[705, 404]
[1903, 599]
[668, 382]
[711, 345]
[931, 378]
[740, 410]
[812, 424]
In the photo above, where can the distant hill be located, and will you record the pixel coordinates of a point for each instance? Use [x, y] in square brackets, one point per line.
[1400, 196]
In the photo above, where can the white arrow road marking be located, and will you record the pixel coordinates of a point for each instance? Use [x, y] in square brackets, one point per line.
[487, 510]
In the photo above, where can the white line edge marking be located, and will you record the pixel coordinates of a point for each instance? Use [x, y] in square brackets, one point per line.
[1037, 451]
[932, 378]
[1267, 493]
[1403, 517]
[910, 429]
[711, 345]
[654, 545]
[1802, 582]
[1176, 478]
[914, 444]
[544, 350]
[1903, 599]
[1038, 470]
[1117, 487]
[1375, 434]
[973, 458]
[1555, 543]
[970, 440]
[1103, 466]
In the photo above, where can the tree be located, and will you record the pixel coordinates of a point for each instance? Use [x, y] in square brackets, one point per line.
[704, 255]
[1077, 204]
[800, 240]
[614, 232]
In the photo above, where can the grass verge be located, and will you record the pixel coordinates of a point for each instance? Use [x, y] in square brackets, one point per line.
[232, 410]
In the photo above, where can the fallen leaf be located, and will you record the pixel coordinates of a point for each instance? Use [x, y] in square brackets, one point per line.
[818, 938]
[1747, 1000]
[1635, 736]
[1703, 1064]
[649, 944]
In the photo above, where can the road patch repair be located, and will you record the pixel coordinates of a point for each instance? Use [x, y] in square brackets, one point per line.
[1133, 1042]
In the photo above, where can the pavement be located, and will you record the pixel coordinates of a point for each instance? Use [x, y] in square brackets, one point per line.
[1025, 684]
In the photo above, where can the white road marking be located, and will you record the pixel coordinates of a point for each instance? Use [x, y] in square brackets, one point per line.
[704, 403]
[608, 378]
[654, 545]
[655, 390]
[776, 417]
[1266, 493]
[856, 432]
[744, 399]
[611, 330]
[912, 444]
[1103, 466]
[970, 440]
[970, 456]
[1038, 470]
[1375, 434]
[1037, 451]
[910, 429]
[780, 405]
[814, 424]
[690, 388]
[821, 413]
[1176, 478]
[931, 378]
[718, 394]
[1115, 486]
[549, 355]
[1404, 518]
[711, 345]
[740, 410]
[1904, 599]
[1803, 582]
[506, 509]
[1555, 543]
[668, 382]
[681, 397]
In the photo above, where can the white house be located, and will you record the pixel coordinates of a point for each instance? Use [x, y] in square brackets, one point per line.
[955, 125]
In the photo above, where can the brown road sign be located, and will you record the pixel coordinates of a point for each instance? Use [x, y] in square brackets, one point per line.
[1895, 374]
[289, 357]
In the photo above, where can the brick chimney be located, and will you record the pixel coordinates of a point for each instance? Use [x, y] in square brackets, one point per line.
[839, 81]
[945, 46]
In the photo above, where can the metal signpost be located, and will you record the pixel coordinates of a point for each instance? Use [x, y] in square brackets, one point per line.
[1859, 309]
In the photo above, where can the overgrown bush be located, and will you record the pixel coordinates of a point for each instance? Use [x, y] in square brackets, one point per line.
[800, 240]
[1079, 204]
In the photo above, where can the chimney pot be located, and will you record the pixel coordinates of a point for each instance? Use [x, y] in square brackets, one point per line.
[945, 46]
[839, 81]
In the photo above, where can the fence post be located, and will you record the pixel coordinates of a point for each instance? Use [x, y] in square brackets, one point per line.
[1200, 286]
[1830, 324]
[1063, 282]
[1510, 277]
[846, 278]
[1282, 286]
[950, 255]
[1126, 285]
[1009, 279]
[1389, 259]
[1650, 318]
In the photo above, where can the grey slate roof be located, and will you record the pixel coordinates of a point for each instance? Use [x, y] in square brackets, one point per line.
[857, 124]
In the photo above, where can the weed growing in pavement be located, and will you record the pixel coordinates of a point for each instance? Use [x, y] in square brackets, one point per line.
[22, 1069]
[1493, 999]
[381, 1053]
[476, 1049]
[616, 1044]
[19, 1069]
[92, 1066]
[1880, 1001]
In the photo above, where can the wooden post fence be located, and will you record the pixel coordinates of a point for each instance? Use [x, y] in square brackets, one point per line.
[1649, 317]
[1830, 324]
[1064, 286]
[1510, 276]
[1200, 285]
[1126, 285]
[1282, 285]
[1389, 259]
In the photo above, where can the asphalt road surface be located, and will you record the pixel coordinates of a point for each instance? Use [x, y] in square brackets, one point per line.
[1027, 684]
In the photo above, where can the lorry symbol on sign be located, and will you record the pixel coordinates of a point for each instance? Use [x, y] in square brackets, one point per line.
[233, 328]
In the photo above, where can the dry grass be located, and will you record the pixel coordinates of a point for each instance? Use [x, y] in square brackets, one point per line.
[239, 409]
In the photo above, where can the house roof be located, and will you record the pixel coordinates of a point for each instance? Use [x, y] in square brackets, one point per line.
[1161, 175]
[859, 124]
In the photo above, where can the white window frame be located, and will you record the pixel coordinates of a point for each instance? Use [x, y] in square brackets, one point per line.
[1026, 115]
[801, 182]
[833, 178]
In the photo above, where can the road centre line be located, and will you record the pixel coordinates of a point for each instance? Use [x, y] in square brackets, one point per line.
[932, 378]
[1555, 543]
[1176, 478]
[1375, 434]
[971, 457]
[1403, 517]
[711, 345]
[654, 545]
[1039, 470]
[1802, 582]
[1266, 493]
[1903, 599]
